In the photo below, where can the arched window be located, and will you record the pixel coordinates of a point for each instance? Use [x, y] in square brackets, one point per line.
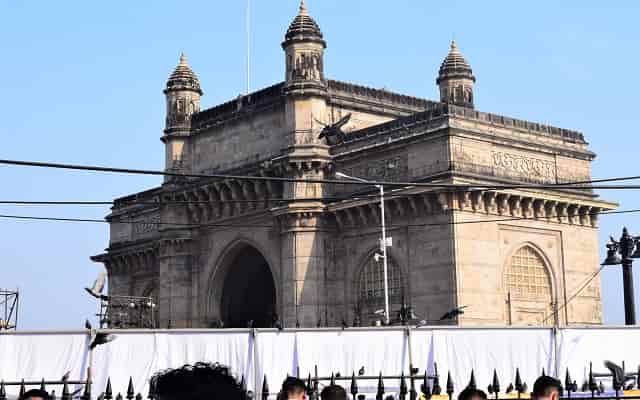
[370, 289]
[527, 276]
[527, 285]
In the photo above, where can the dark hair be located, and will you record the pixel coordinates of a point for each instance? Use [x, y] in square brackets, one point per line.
[35, 393]
[470, 393]
[199, 381]
[333, 392]
[545, 385]
[292, 386]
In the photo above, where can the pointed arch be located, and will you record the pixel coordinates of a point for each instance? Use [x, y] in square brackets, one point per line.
[528, 284]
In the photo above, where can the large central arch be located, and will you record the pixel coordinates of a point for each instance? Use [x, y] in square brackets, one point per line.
[246, 289]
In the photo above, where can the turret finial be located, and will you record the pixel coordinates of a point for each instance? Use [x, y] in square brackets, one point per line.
[303, 8]
[183, 59]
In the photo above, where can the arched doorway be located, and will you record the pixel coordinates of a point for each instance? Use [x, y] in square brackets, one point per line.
[248, 292]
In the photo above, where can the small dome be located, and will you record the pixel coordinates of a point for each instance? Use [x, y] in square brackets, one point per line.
[455, 66]
[304, 27]
[183, 77]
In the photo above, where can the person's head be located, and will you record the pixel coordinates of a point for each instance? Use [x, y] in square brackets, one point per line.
[293, 389]
[35, 394]
[201, 381]
[472, 394]
[333, 392]
[546, 388]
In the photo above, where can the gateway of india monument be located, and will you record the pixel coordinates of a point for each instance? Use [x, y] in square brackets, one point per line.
[231, 252]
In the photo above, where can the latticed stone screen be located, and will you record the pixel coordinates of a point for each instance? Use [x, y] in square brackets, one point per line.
[527, 276]
[371, 284]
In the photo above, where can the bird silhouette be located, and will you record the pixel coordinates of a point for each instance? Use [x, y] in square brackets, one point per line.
[87, 325]
[617, 372]
[453, 313]
[344, 324]
[361, 371]
[65, 377]
[333, 133]
[509, 388]
[98, 286]
[415, 370]
[100, 339]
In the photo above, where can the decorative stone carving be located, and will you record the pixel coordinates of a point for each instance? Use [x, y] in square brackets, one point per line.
[520, 165]
[146, 225]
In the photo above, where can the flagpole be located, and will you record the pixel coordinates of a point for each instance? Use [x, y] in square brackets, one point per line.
[248, 22]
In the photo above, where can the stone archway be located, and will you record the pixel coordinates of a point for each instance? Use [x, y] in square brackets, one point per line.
[248, 290]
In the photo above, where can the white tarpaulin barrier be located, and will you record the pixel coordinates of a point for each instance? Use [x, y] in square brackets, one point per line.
[578, 347]
[346, 352]
[139, 354]
[483, 350]
[35, 356]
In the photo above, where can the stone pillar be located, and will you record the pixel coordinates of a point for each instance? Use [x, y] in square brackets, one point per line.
[175, 295]
[304, 263]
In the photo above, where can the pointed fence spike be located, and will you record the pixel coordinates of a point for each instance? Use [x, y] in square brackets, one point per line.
[403, 387]
[3, 391]
[450, 388]
[108, 393]
[496, 383]
[354, 385]
[543, 372]
[380, 391]
[472, 381]
[638, 378]
[333, 379]
[425, 388]
[309, 386]
[130, 391]
[119, 396]
[265, 388]
[22, 389]
[593, 386]
[437, 390]
[138, 396]
[43, 387]
[519, 387]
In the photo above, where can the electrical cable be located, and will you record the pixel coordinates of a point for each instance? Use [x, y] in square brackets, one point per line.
[569, 186]
[205, 225]
[582, 287]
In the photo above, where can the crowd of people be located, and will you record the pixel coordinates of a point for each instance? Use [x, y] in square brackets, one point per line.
[206, 381]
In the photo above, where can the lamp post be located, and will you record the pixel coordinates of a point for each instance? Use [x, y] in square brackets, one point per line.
[622, 252]
[383, 242]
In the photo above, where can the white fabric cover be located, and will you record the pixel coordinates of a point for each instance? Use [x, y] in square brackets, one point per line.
[345, 352]
[140, 355]
[578, 347]
[482, 350]
[35, 356]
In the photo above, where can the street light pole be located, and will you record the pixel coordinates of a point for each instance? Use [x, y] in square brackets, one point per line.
[383, 242]
[622, 252]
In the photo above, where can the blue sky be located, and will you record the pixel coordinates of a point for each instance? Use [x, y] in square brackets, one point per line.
[81, 82]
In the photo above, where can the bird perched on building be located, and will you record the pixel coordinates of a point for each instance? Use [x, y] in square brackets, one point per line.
[65, 377]
[87, 325]
[453, 313]
[361, 371]
[344, 324]
[333, 133]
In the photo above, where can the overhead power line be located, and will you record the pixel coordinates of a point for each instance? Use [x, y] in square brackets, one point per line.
[214, 224]
[567, 186]
[575, 294]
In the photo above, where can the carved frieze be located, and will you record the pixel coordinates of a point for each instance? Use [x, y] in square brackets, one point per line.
[146, 225]
[515, 164]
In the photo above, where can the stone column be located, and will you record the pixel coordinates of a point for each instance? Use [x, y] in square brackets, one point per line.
[304, 290]
[175, 294]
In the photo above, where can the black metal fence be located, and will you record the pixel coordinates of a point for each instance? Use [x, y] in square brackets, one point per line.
[411, 386]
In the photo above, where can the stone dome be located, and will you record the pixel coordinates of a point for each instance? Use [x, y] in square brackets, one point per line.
[183, 78]
[455, 66]
[304, 27]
